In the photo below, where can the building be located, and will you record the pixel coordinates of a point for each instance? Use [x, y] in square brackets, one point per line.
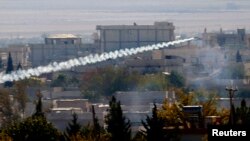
[83, 104]
[19, 54]
[63, 39]
[113, 37]
[59, 47]
[194, 115]
[238, 39]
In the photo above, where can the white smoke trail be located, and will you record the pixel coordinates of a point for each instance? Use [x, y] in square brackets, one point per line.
[81, 61]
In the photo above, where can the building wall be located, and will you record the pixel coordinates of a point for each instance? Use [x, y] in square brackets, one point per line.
[76, 103]
[62, 39]
[43, 54]
[126, 36]
[19, 54]
[115, 37]
[238, 39]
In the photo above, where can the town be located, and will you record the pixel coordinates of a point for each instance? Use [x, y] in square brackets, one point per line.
[183, 88]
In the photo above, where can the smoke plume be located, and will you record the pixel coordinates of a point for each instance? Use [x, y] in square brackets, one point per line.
[82, 61]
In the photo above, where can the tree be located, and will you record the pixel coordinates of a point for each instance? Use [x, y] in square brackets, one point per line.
[39, 107]
[94, 83]
[152, 82]
[96, 126]
[176, 80]
[60, 81]
[19, 66]
[21, 96]
[172, 113]
[242, 114]
[93, 132]
[6, 107]
[154, 127]
[117, 125]
[34, 128]
[73, 129]
[1, 62]
[9, 69]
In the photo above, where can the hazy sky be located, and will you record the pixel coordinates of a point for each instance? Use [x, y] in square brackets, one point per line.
[124, 4]
[77, 16]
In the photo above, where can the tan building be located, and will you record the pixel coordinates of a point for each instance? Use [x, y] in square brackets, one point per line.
[113, 37]
[62, 39]
[83, 104]
[235, 39]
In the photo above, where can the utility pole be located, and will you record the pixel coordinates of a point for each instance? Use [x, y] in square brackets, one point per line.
[231, 90]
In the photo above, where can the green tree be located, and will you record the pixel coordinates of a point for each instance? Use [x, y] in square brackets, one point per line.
[34, 128]
[9, 69]
[94, 132]
[172, 112]
[242, 114]
[39, 108]
[176, 79]
[152, 82]
[19, 66]
[97, 129]
[105, 81]
[154, 127]
[73, 129]
[117, 125]
[60, 81]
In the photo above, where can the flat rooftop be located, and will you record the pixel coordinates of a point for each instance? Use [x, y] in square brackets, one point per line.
[56, 36]
[156, 25]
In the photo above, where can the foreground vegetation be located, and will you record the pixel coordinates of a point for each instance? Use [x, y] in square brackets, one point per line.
[36, 127]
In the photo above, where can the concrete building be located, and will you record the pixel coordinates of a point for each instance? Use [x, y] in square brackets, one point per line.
[62, 39]
[113, 37]
[19, 54]
[83, 104]
[59, 47]
[142, 101]
[233, 39]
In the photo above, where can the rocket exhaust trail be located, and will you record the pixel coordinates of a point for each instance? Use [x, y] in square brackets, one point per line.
[82, 61]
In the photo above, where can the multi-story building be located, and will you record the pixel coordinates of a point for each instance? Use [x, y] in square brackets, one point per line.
[58, 47]
[19, 54]
[233, 39]
[114, 37]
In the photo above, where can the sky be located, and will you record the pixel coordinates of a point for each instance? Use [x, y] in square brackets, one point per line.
[123, 4]
[36, 17]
